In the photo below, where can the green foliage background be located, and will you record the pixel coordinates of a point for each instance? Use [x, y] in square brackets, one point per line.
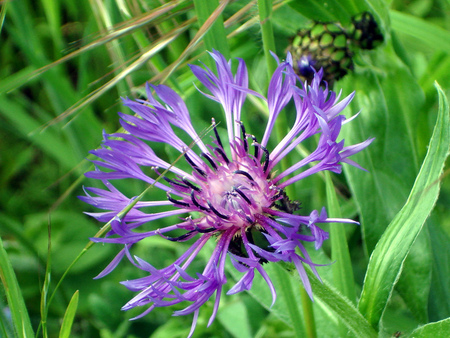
[64, 66]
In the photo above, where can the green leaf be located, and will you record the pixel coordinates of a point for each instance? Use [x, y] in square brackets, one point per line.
[390, 100]
[342, 266]
[20, 318]
[389, 255]
[437, 329]
[341, 307]
[417, 268]
[340, 255]
[342, 11]
[388, 97]
[69, 316]
[50, 141]
[380, 10]
[287, 306]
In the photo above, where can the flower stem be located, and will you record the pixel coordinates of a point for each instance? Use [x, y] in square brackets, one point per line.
[265, 11]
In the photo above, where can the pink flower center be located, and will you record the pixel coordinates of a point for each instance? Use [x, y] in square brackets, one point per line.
[235, 193]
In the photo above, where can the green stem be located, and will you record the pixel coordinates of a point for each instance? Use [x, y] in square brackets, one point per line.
[265, 11]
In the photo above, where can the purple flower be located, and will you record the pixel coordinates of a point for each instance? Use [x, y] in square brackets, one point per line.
[233, 190]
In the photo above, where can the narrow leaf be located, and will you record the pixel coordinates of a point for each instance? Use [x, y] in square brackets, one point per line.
[391, 102]
[342, 266]
[387, 259]
[19, 314]
[69, 316]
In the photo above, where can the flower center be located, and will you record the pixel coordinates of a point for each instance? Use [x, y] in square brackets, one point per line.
[230, 193]
[234, 193]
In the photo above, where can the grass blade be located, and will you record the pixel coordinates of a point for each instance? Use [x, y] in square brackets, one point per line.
[16, 303]
[69, 316]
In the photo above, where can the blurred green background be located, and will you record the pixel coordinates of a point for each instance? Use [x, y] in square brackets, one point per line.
[94, 52]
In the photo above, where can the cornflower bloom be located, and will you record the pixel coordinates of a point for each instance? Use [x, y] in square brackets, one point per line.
[232, 192]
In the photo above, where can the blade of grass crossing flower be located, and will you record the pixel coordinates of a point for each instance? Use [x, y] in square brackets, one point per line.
[341, 307]
[390, 252]
[69, 316]
[19, 313]
[215, 37]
